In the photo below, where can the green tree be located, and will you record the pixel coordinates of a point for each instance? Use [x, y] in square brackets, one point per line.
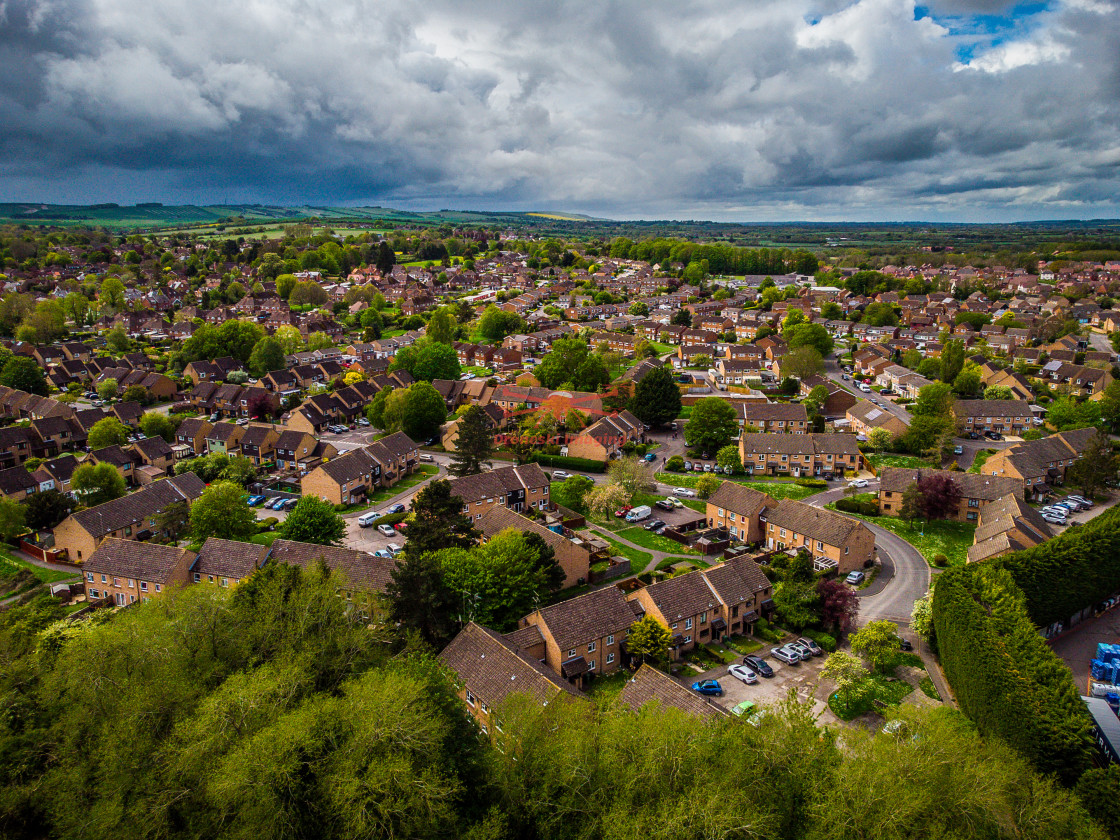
[1097, 466]
[877, 643]
[649, 640]
[728, 456]
[221, 512]
[497, 582]
[117, 340]
[239, 470]
[12, 519]
[1110, 405]
[844, 669]
[879, 438]
[571, 492]
[420, 599]
[706, 485]
[913, 505]
[107, 389]
[95, 484]
[605, 499]
[712, 425]
[154, 424]
[952, 360]
[921, 617]
[633, 474]
[570, 360]
[934, 400]
[438, 521]
[441, 326]
[657, 398]
[809, 335]
[1066, 414]
[880, 315]
[424, 412]
[174, 521]
[108, 432]
[639, 308]
[23, 374]
[912, 359]
[313, 520]
[495, 324]
[474, 443]
[267, 356]
[112, 293]
[45, 510]
[802, 362]
[998, 392]
[968, 381]
[428, 360]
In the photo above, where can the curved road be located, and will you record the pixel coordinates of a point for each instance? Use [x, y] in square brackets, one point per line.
[903, 580]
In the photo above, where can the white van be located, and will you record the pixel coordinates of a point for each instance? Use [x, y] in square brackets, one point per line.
[367, 519]
[863, 386]
[639, 513]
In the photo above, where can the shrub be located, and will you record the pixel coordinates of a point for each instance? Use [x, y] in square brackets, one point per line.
[582, 464]
[675, 464]
[811, 482]
[391, 518]
[864, 507]
[825, 640]
[267, 524]
[940, 560]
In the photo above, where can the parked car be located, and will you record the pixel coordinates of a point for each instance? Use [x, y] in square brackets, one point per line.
[744, 708]
[363, 421]
[973, 436]
[684, 491]
[397, 508]
[290, 503]
[688, 466]
[858, 482]
[367, 519]
[905, 644]
[784, 655]
[855, 578]
[844, 376]
[1054, 520]
[426, 456]
[698, 467]
[709, 687]
[743, 673]
[622, 511]
[958, 450]
[650, 458]
[560, 475]
[707, 468]
[664, 504]
[675, 502]
[813, 647]
[387, 530]
[758, 665]
[993, 435]
[654, 524]
[1088, 503]
[801, 650]
[278, 504]
[383, 554]
[253, 501]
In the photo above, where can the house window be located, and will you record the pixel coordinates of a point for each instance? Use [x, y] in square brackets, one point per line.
[89, 576]
[225, 581]
[158, 587]
[687, 624]
[143, 586]
[610, 658]
[591, 665]
[93, 593]
[703, 618]
[610, 640]
[470, 697]
[197, 577]
[820, 546]
[572, 653]
[131, 583]
[590, 647]
[688, 640]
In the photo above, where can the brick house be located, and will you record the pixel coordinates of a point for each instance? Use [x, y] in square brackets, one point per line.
[835, 541]
[799, 455]
[738, 508]
[865, 417]
[127, 571]
[977, 491]
[1006, 416]
[575, 558]
[517, 488]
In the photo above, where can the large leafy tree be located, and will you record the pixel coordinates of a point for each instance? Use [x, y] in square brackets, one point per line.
[571, 492]
[877, 642]
[802, 362]
[428, 360]
[570, 361]
[13, 518]
[420, 599]
[221, 512]
[498, 582]
[47, 509]
[657, 398]
[438, 521]
[940, 494]
[649, 639]
[632, 473]
[809, 335]
[474, 443]
[712, 425]
[952, 360]
[23, 374]
[107, 432]
[441, 326]
[838, 605]
[424, 411]
[95, 484]
[313, 520]
[1097, 465]
[495, 324]
[267, 356]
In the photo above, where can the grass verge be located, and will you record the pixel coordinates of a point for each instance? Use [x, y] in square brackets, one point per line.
[10, 566]
[868, 695]
[931, 538]
[647, 539]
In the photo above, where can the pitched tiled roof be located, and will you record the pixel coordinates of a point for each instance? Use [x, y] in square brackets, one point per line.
[491, 483]
[649, 685]
[229, 559]
[815, 523]
[492, 670]
[145, 502]
[592, 616]
[499, 518]
[810, 444]
[16, 480]
[739, 499]
[971, 485]
[136, 560]
[362, 571]
[153, 447]
[992, 408]
[682, 596]
[736, 580]
[754, 411]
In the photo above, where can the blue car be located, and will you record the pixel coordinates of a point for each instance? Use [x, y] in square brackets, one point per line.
[279, 503]
[253, 501]
[709, 687]
[650, 457]
[397, 508]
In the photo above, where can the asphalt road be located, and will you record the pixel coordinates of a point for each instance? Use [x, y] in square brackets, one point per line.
[832, 371]
[904, 577]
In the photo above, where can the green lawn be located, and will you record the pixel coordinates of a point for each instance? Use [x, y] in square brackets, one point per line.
[265, 538]
[981, 457]
[423, 472]
[638, 559]
[860, 698]
[782, 490]
[10, 566]
[931, 538]
[778, 488]
[648, 539]
[662, 349]
[607, 688]
[906, 461]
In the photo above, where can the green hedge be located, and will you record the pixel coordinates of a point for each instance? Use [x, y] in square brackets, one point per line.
[391, 518]
[863, 507]
[811, 482]
[1075, 570]
[582, 464]
[1005, 677]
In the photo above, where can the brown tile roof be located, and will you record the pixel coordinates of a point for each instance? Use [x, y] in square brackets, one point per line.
[595, 615]
[499, 517]
[736, 580]
[740, 499]
[229, 559]
[140, 505]
[649, 685]
[682, 596]
[815, 523]
[492, 670]
[136, 560]
[362, 571]
[972, 486]
[992, 408]
[491, 483]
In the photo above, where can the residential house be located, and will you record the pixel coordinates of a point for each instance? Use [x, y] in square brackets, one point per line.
[799, 455]
[865, 417]
[651, 686]
[835, 541]
[517, 488]
[226, 562]
[1005, 525]
[192, 433]
[127, 571]
[791, 418]
[300, 452]
[575, 556]
[976, 490]
[603, 440]
[362, 577]
[1006, 416]
[258, 444]
[1040, 463]
[738, 508]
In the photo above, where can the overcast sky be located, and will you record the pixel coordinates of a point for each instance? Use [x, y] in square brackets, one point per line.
[753, 110]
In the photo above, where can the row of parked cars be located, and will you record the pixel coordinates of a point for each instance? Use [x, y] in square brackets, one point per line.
[272, 504]
[752, 667]
[1058, 513]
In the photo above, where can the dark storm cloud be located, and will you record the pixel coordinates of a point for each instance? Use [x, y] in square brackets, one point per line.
[752, 109]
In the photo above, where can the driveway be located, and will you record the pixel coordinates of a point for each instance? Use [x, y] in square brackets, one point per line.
[804, 678]
[1079, 645]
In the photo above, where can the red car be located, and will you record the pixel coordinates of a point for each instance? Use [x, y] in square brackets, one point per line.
[622, 511]
[400, 526]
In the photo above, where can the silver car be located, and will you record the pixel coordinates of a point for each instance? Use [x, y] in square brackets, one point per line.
[787, 656]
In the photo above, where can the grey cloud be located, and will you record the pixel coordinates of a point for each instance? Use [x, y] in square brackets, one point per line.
[622, 108]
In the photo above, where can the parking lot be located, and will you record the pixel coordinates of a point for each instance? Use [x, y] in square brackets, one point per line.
[803, 678]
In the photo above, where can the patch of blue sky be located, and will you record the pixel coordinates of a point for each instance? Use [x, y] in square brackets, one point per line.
[979, 32]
